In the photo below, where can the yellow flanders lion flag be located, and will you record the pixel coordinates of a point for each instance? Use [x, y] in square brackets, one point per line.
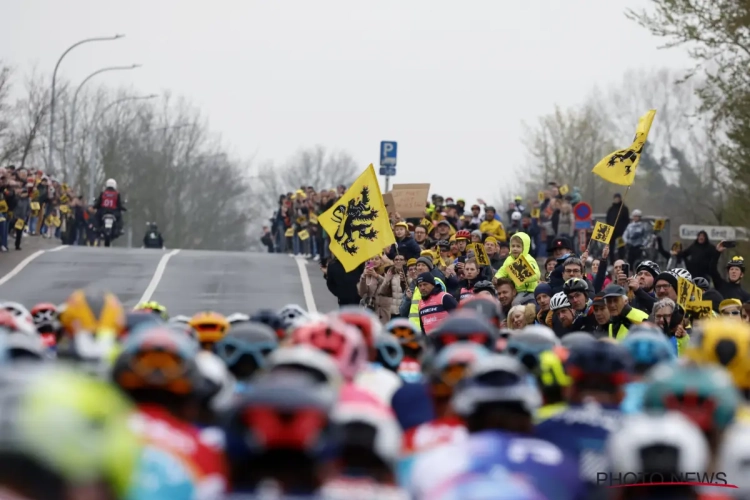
[358, 222]
[619, 167]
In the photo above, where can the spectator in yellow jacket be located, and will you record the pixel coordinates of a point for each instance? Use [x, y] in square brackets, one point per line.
[491, 226]
[520, 244]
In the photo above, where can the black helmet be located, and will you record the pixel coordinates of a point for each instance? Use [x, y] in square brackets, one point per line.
[575, 338]
[464, 325]
[575, 285]
[484, 286]
[650, 266]
[737, 261]
[701, 283]
[488, 307]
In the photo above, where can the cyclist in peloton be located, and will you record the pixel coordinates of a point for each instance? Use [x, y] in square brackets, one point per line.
[110, 201]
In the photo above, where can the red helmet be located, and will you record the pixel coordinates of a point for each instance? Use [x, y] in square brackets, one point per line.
[463, 235]
[45, 318]
[343, 342]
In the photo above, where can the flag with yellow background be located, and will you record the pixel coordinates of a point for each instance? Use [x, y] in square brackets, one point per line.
[619, 167]
[358, 222]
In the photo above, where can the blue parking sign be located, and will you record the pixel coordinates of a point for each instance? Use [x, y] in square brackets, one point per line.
[388, 153]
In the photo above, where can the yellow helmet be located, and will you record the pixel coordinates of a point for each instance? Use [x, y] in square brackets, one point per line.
[723, 341]
[93, 312]
[210, 326]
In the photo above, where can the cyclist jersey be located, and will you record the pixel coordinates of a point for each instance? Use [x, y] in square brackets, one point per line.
[582, 430]
[348, 488]
[177, 463]
[633, 401]
[551, 471]
[547, 411]
[379, 381]
[424, 437]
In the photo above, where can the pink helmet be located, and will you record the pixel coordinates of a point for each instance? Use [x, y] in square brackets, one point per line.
[342, 342]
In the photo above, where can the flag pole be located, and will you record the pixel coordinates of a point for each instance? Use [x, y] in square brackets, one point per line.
[624, 197]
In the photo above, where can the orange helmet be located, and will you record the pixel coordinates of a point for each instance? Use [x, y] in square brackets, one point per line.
[93, 312]
[210, 326]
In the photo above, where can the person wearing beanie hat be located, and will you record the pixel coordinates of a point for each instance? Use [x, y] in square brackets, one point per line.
[542, 296]
[413, 295]
[405, 244]
[476, 236]
[434, 303]
[666, 286]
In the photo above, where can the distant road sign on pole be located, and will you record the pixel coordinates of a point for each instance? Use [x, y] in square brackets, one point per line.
[388, 155]
[718, 233]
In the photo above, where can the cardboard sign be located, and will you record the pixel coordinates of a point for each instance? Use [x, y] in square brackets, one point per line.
[410, 199]
[564, 189]
[541, 196]
[390, 205]
[700, 308]
[480, 254]
[521, 271]
[602, 233]
[684, 291]
[535, 213]
[289, 232]
[658, 225]
[303, 235]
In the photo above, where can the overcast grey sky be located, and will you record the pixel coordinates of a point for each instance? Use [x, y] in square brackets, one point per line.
[451, 81]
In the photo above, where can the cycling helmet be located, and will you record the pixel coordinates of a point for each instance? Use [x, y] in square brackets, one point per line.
[362, 319]
[451, 364]
[210, 326]
[21, 347]
[704, 394]
[410, 337]
[736, 261]
[284, 413]
[484, 286]
[390, 354]
[271, 319]
[246, 347]
[75, 427]
[18, 311]
[734, 455]
[466, 325]
[667, 444]
[682, 273]
[217, 390]
[599, 364]
[701, 283]
[366, 433]
[550, 373]
[137, 319]
[559, 301]
[493, 379]
[289, 314]
[158, 359]
[723, 341]
[574, 338]
[463, 234]
[45, 318]
[340, 340]
[650, 266]
[527, 344]
[488, 308]
[648, 348]
[237, 318]
[14, 324]
[154, 307]
[306, 360]
[575, 285]
[92, 311]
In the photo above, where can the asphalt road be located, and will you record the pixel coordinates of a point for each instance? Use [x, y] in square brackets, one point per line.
[185, 281]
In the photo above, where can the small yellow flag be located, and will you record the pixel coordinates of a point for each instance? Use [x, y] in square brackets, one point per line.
[684, 291]
[619, 167]
[602, 233]
[658, 225]
[564, 190]
[289, 232]
[521, 271]
[480, 254]
[535, 213]
[303, 235]
[358, 222]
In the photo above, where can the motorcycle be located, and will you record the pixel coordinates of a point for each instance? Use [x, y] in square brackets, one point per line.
[107, 231]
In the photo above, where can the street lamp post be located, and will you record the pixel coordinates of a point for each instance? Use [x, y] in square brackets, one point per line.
[95, 145]
[73, 109]
[54, 82]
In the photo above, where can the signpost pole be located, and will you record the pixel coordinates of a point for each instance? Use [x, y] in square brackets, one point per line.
[387, 182]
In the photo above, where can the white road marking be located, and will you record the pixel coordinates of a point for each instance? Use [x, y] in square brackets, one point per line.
[57, 249]
[306, 286]
[20, 267]
[160, 268]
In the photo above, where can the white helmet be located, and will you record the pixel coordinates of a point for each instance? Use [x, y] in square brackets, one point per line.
[515, 216]
[641, 431]
[734, 455]
[559, 301]
[682, 273]
[308, 360]
[219, 382]
[23, 317]
[636, 213]
[384, 436]
[291, 313]
[238, 318]
[111, 183]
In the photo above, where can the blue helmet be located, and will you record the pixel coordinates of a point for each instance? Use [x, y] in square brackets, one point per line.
[648, 348]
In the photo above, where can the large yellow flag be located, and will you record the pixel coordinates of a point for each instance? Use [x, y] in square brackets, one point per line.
[358, 223]
[619, 167]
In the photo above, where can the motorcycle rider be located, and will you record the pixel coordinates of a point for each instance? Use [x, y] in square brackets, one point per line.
[152, 238]
[109, 201]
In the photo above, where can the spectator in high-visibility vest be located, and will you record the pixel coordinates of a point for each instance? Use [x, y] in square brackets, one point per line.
[435, 304]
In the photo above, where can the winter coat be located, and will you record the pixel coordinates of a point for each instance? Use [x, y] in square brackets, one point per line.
[390, 292]
[698, 257]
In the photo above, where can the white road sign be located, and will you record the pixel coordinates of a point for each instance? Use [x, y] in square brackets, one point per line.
[715, 233]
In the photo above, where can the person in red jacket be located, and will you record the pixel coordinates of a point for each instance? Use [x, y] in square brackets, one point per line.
[110, 201]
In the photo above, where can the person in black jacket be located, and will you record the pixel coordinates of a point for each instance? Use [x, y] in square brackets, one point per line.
[405, 245]
[698, 256]
[153, 238]
[341, 284]
[731, 288]
[619, 224]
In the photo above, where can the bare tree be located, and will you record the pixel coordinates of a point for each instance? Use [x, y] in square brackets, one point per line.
[30, 117]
